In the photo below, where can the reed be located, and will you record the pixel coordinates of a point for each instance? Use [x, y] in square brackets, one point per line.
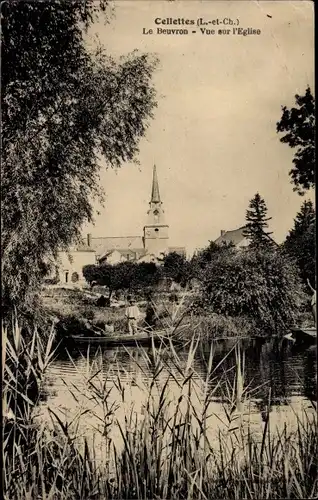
[166, 449]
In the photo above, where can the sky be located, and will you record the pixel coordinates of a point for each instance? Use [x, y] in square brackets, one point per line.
[213, 137]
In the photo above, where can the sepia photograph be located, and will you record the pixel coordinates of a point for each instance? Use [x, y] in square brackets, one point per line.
[158, 255]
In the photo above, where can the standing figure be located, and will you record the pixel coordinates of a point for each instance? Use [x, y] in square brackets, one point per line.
[313, 302]
[132, 314]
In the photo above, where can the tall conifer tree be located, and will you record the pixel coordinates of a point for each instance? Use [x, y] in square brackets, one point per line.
[300, 242]
[257, 222]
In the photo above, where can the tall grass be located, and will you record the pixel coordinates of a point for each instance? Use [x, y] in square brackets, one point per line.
[166, 450]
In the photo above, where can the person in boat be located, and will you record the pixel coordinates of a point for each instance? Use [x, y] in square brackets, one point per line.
[313, 302]
[132, 314]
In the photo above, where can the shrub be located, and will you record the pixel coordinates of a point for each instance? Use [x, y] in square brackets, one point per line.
[72, 325]
[261, 285]
[218, 325]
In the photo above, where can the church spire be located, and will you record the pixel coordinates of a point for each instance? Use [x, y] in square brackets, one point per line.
[156, 230]
[155, 195]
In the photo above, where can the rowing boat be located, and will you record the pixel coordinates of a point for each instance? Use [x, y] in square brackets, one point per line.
[120, 339]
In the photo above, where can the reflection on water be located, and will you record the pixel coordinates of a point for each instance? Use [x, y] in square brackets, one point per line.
[276, 376]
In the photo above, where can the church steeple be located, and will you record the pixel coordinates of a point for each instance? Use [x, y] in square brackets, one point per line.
[155, 194]
[156, 229]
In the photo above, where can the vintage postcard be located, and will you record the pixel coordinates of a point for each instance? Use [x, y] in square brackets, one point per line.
[158, 250]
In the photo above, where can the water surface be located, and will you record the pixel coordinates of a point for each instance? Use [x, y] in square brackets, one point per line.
[277, 377]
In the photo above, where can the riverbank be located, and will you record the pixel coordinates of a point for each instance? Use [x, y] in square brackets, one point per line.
[76, 310]
[77, 313]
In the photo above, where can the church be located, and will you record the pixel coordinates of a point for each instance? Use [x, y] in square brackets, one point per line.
[151, 246]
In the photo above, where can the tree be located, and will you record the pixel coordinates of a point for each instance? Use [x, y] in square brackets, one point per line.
[96, 274]
[147, 274]
[256, 223]
[300, 242]
[209, 253]
[262, 286]
[63, 107]
[114, 277]
[123, 276]
[173, 266]
[299, 123]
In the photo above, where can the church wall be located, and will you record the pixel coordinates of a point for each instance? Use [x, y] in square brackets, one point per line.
[150, 247]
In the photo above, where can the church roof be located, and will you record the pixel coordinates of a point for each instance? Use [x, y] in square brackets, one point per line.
[155, 195]
[84, 248]
[129, 251]
[108, 243]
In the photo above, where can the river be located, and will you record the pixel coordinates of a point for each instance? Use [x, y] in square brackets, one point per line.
[277, 377]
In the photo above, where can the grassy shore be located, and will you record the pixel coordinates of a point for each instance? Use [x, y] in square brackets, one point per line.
[166, 451]
[77, 312]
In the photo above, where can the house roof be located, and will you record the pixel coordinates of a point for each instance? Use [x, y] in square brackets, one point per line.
[124, 251]
[84, 248]
[105, 244]
[235, 236]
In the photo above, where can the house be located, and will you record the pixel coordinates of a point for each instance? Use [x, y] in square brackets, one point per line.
[235, 236]
[152, 246]
[68, 267]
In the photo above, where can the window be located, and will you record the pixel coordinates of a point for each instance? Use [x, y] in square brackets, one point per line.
[75, 277]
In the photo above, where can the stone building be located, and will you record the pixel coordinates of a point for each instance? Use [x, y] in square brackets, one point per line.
[151, 246]
[68, 267]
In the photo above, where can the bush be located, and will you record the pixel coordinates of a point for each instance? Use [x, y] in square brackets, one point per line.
[72, 325]
[220, 326]
[261, 285]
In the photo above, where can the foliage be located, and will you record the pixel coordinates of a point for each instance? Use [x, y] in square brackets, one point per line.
[123, 276]
[209, 253]
[299, 124]
[64, 106]
[177, 267]
[23, 368]
[256, 223]
[168, 451]
[99, 275]
[213, 326]
[300, 242]
[147, 274]
[263, 286]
